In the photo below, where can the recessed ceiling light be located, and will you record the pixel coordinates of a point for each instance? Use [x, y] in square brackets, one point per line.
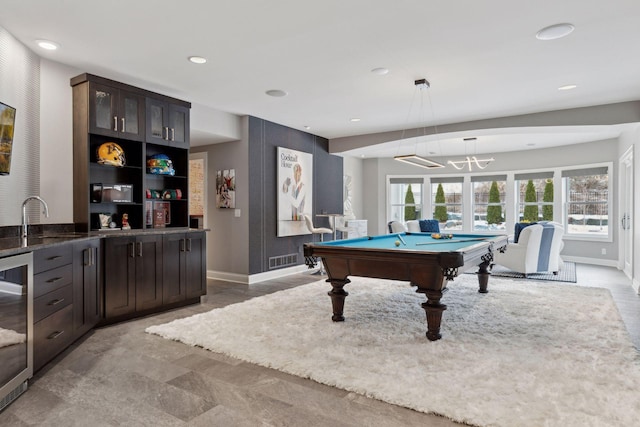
[355, 119]
[381, 71]
[197, 59]
[276, 92]
[554, 32]
[531, 144]
[48, 44]
[567, 87]
[307, 127]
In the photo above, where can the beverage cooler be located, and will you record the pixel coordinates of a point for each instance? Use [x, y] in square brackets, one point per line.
[16, 326]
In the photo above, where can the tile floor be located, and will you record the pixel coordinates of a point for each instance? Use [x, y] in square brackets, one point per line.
[120, 376]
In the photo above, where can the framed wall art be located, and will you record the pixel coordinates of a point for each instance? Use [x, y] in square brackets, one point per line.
[226, 189]
[295, 191]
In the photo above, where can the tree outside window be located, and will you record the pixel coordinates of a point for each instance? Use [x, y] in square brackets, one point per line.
[547, 210]
[441, 210]
[531, 203]
[534, 194]
[494, 210]
[409, 205]
[447, 204]
[405, 198]
[489, 203]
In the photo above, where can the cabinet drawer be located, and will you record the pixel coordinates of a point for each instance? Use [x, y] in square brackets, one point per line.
[48, 258]
[52, 335]
[49, 303]
[51, 280]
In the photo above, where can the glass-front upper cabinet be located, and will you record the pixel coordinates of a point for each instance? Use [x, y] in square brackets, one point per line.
[115, 112]
[167, 124]
[179, 125]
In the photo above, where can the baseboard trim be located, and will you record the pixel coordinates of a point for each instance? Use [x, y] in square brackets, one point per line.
[247, 279]
[592, 261]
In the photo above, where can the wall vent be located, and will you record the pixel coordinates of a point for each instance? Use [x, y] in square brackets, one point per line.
[283, 261]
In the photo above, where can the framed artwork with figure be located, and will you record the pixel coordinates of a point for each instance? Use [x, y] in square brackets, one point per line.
[295, 191]
[226, 189]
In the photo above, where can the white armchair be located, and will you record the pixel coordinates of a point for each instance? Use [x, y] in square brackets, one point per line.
[413, 226]
[538, 250]
[396, 227]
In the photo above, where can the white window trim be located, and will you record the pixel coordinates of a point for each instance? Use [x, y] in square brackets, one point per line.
[610, 224]
[388, 202]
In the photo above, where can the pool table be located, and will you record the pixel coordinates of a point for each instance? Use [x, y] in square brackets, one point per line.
[426, 262]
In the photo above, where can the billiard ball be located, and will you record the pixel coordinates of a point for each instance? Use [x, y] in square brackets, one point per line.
[397, 242]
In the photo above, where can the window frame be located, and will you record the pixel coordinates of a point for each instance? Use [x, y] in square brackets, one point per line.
[608, 237]
[451, 179]
[536, 175]
[503, 204]
[404, 179]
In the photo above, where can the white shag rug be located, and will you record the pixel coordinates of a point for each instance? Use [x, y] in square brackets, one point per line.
[10, 337]
[534, 354]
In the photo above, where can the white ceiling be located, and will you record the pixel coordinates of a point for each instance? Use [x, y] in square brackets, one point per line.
[481, 57]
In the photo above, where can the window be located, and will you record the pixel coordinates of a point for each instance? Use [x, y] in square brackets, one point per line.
[489, 202]
[587, 201]
[535, 196]
[405, 199]
[447, 202]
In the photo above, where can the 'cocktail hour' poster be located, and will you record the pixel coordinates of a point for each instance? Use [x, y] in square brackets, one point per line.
[295, 189]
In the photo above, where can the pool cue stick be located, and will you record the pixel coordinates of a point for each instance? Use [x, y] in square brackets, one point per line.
[450, 241]
[402, 240]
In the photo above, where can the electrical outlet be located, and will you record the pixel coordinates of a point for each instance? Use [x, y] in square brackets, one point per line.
[604, 251]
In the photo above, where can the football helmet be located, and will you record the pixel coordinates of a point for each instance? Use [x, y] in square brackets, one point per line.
[160, 164]
[112, 154]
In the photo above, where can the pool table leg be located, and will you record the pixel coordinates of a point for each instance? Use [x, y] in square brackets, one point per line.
[338, 294]
[483, 276]
[434, 310]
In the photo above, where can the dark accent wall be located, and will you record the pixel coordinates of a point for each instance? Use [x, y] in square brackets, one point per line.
[264, 139]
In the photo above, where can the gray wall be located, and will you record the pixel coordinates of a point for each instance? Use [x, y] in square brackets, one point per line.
[238, 246]
[264, 139]
[227, 240]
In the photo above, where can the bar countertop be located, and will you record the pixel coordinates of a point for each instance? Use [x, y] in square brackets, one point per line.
[15, 245]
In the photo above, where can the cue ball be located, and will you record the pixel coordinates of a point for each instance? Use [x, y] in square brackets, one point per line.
[397, 242]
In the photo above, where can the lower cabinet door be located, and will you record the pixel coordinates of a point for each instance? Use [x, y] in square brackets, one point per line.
[52, 335]
[87, 289]
[195, 265]
[119, 277]
[173, 286]
[148, 256]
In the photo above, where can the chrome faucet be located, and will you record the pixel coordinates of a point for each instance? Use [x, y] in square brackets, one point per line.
[24, 212]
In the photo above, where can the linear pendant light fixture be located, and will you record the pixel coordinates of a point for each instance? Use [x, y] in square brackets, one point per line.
[415, 159]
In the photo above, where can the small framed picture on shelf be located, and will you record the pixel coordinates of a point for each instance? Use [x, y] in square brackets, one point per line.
[161, 214]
